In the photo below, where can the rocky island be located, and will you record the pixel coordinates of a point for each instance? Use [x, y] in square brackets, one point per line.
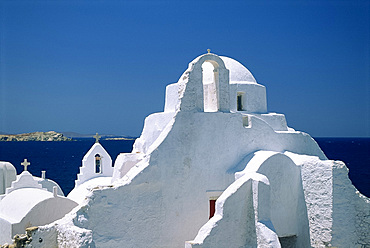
[35, 136]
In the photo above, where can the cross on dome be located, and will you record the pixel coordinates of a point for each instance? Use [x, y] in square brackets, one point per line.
[209, 50]
[97, 137]
[25, 163]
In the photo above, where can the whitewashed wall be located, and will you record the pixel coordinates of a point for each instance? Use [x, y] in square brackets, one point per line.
[7, 175]
[28, 207]
[184, 153]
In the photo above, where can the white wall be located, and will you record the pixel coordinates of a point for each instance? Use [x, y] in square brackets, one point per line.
[242, 217]
[5, 231]
[154, 126]
[162, 200]
[233, 222]
[275, 121]
[191, 160]
[338, 214]
[254, 97]
[7, 175]
[28, 207]
[124, 162]
[172, 100]
[288, 208]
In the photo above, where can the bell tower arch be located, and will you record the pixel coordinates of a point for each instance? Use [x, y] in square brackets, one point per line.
[207, 90]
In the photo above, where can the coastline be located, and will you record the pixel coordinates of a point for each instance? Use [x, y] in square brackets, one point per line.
[34, 136]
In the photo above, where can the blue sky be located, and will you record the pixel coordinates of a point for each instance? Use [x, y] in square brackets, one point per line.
[102, 66]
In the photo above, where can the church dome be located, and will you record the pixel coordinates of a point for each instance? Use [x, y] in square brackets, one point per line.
[238, 72]
[18, 203]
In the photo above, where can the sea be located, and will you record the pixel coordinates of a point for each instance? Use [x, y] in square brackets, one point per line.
[61, 160]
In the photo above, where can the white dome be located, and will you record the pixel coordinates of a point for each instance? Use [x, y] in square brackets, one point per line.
[238, 72]
[18, 203]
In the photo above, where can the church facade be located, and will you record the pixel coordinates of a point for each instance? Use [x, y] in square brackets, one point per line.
[216, 169]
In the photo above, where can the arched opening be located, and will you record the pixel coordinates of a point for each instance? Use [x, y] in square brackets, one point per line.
[210, 86]
[207, 90]
[98, 164]
[288, 211]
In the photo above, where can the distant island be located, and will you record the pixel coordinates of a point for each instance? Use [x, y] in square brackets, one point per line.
[75, 135]
[35, 136]
[120, 138]
[57, 136]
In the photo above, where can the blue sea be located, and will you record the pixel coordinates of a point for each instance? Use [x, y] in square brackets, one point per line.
[62, 160]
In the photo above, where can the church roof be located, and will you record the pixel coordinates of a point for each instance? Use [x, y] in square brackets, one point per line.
[15, 205]
[24, 180]
[237, 71]
[48, 184]
[96, 148]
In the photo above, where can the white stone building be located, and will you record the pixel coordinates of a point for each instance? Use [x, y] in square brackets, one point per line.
[28, 201]
[216, 152]
[96, 169]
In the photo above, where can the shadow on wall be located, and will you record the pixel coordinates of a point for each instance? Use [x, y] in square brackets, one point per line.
[349, 208]
[288, 242]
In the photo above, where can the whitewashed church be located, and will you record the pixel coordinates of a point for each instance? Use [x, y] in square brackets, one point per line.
[214, 169]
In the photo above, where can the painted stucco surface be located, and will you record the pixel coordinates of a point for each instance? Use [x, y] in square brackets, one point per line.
[49, 185]
[276, 182]
[29, 201]
[249, 225]
[28, 207]
[338, 214]
[7, 175]
[239, 227]
[24, 180]
[79, 193]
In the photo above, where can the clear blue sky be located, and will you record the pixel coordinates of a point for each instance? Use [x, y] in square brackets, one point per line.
[102, 66]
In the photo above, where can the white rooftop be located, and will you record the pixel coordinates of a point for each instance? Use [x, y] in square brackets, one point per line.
[18, 203]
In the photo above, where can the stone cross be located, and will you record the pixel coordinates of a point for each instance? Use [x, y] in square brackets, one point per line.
[209, 50]
[97, 137]
[25, 163]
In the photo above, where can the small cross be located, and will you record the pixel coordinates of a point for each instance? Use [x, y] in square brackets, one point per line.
[209, 50]
[25, 163]
[97, 137]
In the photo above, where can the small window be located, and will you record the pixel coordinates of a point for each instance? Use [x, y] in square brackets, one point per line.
[245, 121]
[98, 168]
[239, 101]
[212, 197]
[212, 208]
